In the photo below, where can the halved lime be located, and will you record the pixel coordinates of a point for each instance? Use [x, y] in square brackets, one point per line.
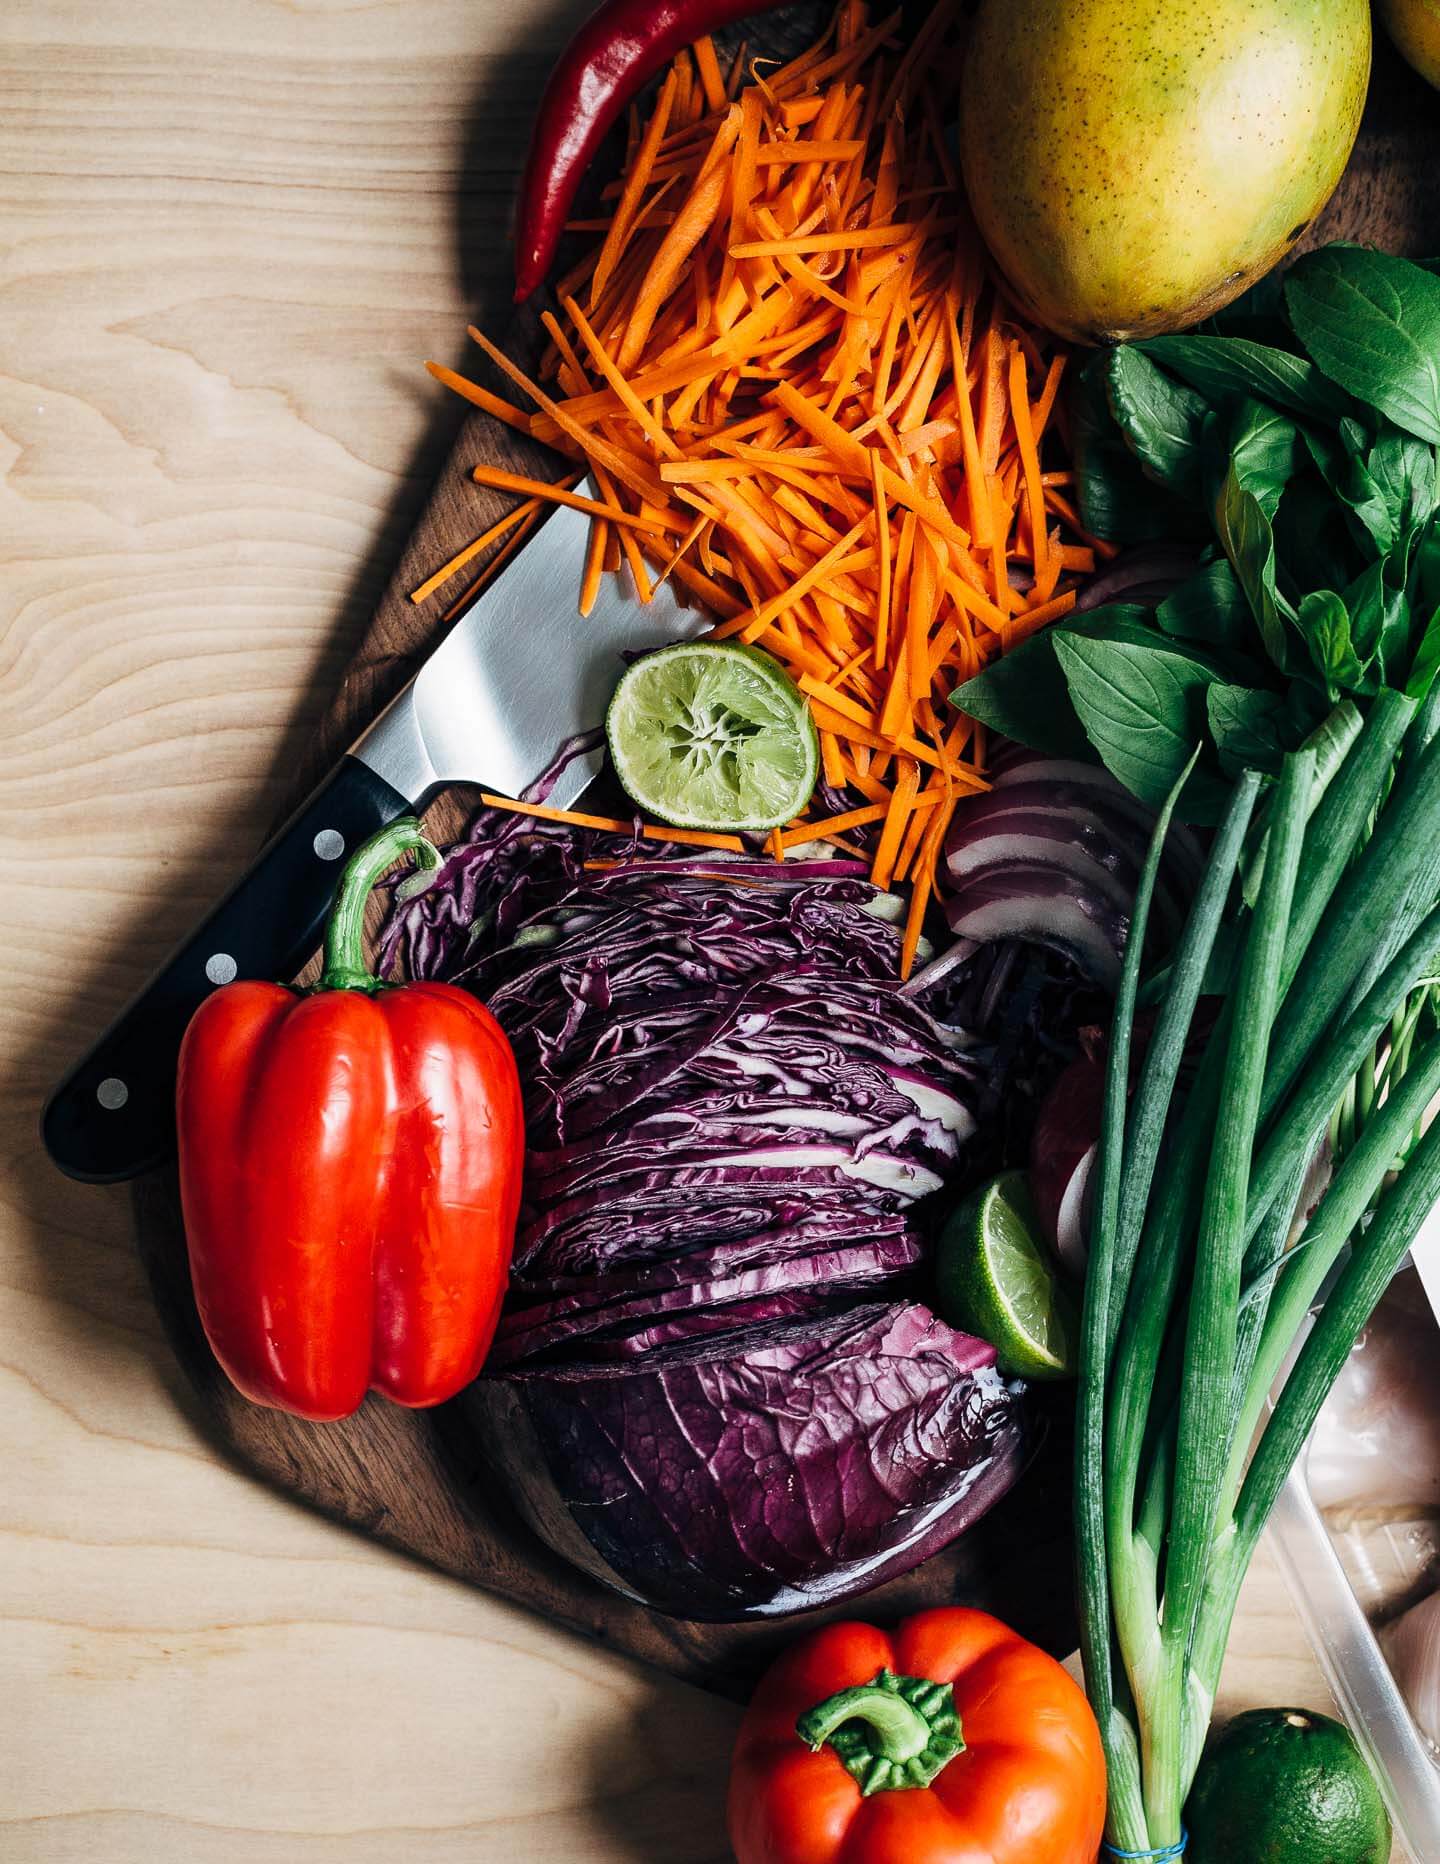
[995, 1279]
[711, 734]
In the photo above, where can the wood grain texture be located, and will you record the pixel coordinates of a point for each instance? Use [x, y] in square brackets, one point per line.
[227, 235]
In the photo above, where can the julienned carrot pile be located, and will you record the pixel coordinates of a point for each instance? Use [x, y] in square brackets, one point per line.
[800, 391]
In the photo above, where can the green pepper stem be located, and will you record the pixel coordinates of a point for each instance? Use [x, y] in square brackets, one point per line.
[891, 1733]
[344, 966]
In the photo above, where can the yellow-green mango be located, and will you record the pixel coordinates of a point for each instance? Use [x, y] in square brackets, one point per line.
[1414, 25]
[1135, 164]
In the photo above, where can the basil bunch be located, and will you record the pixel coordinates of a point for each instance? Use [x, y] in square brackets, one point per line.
[1294, 440]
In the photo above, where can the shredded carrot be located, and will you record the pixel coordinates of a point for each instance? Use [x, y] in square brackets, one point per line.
[920, 889]
[1030, 462]
[833, 825]
[679, 241]
[493, 568]
[481, 397]
[629, 546]
[805, 399]
[558, 495]
[846, 240]
[471, 551]
[708, 65]
[612, 825]
[594, 564]
[902, 801]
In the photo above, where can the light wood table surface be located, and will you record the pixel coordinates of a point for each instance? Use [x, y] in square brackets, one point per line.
[230, 231]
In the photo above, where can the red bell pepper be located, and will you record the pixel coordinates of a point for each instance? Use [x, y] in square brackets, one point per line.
[948, 1741]
[350, 1164]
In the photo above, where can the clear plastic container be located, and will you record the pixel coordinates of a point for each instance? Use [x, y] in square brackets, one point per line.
[1351, 1577]
[1342, 1581]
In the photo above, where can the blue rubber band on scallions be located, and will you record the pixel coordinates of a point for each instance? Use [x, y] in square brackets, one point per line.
[1165, 1854]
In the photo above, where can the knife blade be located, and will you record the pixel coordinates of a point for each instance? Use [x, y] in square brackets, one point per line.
[516, 676]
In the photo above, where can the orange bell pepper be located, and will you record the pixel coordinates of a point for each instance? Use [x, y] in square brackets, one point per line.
[948, 1741]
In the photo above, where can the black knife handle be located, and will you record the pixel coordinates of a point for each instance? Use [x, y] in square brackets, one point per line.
[113, 1116]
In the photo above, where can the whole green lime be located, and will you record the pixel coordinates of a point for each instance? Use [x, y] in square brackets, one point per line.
[1285, 1786]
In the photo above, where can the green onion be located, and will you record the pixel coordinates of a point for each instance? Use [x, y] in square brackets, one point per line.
[1195, 1293]
[1121, 1754]
[1202, 1440]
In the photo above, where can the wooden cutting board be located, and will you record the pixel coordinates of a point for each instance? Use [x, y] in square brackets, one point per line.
[417, 1480]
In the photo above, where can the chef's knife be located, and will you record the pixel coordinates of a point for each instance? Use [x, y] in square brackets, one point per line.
[517, 675]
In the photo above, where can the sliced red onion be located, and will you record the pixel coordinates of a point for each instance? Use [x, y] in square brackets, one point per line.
[1144, 576]
[1062, 1154]
[1107, 806]
[1071, 780]
[1044, 904]
[1072, 1222]
[1055, 840]
[1053, 854]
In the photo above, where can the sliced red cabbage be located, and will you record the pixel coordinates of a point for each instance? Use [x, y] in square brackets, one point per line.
[762, 1470]
[566, 1321]
[708, 1391]
[627, 1343]
[835, 1228]
[654, 1221]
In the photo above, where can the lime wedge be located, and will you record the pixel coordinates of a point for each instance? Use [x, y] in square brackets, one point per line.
[710, 734]
[994, 1279]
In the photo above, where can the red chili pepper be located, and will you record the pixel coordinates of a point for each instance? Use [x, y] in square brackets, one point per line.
[350, 1164]
[948, 1741]
[622, 44]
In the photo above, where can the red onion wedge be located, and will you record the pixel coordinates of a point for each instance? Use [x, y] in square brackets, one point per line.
[1046, 905]
[1053, 854]
[1062, 1152]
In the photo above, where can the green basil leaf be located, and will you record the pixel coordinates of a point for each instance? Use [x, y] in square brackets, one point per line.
[1249, 543]
[1424, 582]
[1368, 513]
[1380, 616]
[1317, 535]
[1116, 500]
[1023, 695]
[1143, 707]
[1325, 625]
[1265, 452]
[1371, 322]
[1208, 607]
[1159, 418]
[1223, 367]
[1250, 726]
[1427, 659]
[1402, 469]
